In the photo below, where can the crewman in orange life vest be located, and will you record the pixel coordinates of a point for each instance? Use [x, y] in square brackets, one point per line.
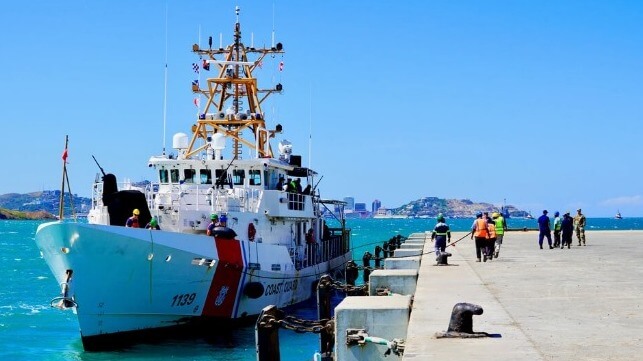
[480, 231]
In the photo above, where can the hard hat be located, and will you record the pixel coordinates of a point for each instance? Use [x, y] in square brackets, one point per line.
[479, 214]
[136, 212]
[214, 216]
[495, 215]
[556, 214]
[153, 222]
[440, 218]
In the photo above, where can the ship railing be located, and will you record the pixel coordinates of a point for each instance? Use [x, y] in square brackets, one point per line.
[203, 197]
[97, 195]
[315, 253]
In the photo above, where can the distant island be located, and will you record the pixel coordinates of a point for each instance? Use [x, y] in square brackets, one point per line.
[429, 207]
[45, 205]
[11, 214]
[39, 205]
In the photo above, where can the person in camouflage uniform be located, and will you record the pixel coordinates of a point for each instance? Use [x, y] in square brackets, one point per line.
[579, 226]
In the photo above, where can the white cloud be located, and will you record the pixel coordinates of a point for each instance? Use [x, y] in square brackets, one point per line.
[623, 201]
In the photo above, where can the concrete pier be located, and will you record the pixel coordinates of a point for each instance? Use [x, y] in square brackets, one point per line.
[583, 303]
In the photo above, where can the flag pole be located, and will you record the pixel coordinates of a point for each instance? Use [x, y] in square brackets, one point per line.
[62, 186]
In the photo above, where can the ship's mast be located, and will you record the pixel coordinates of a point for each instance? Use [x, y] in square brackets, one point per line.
[226, 95]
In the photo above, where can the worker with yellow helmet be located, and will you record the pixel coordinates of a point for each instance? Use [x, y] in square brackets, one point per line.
[501, 227]
[133, 220]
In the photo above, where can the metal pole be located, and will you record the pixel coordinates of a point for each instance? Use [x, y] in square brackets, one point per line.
[61, 208]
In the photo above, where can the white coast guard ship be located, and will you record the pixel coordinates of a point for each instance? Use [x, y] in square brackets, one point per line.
[123, 282]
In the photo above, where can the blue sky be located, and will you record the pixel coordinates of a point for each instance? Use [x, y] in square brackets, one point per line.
[536, 102]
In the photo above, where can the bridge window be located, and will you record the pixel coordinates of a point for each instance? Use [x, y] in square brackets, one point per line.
[255, 177]
[174, 175]
[189, 175]
[206, 176]
[220, 177]
[238, 175]
[163, 176]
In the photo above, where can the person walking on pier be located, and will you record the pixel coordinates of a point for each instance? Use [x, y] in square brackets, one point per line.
[544, 230]
[557, 227]
[579, 225]
[567, 227]
[441, 233]
[501, 227]
[491, 241]
[480, 231]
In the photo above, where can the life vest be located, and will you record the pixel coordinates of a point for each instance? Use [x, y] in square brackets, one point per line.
[481, 228]
[251, 231]
[492, 230]
[500, 225]
[133, 222]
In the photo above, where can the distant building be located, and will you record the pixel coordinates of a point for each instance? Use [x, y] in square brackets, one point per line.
[360, 207]
[375, 206]
[350, 203]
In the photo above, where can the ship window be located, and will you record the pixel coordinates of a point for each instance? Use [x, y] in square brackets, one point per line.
[206, 176]
[189, 175]
[238, 175]
[174, 175]
[255, 177]
[221, 177]
[163, 176]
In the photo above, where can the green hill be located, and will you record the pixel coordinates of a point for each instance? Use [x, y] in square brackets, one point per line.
[452, 208]
[39, 205]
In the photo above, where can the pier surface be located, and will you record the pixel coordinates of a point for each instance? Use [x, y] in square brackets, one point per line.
[583, 303]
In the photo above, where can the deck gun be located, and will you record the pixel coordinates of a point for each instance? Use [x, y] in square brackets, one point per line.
[99, 167]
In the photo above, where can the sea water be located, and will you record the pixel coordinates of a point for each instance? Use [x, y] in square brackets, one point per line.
[31, 330]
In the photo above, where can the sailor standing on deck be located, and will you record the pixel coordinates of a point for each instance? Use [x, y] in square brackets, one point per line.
[133, 220]
[214, 223]
[153, 224]
[441, 233]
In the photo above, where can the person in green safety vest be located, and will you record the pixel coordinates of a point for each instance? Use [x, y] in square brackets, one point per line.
[501, 228]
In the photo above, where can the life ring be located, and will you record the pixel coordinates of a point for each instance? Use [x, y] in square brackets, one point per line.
[251, 231]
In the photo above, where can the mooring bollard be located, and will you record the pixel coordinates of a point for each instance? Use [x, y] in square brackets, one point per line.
[378, 251]
[326, 339]
[366, 259]
[398, 240]
[461, 322]
[387, 253]
[351, 272]
[442, 258]
[267, 334]
[392, 245]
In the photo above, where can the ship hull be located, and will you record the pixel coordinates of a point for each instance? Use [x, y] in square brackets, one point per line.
[127, 281]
